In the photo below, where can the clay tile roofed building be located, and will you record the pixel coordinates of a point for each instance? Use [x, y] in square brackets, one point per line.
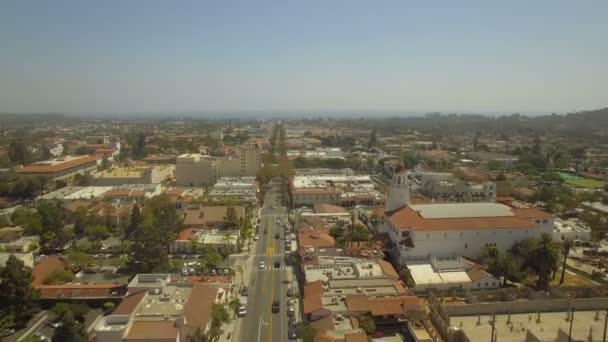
[197, 310]
[314, 288]
[209, 217]
[323, 208]
[386, 306]
[58, 164]
[81, 292]
[156, 331]
[130, 303]
[358, 336]
[43, 269]
[357, 303]
[388, 269]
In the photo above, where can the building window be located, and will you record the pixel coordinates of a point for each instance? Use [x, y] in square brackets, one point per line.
[445, 235]
[428, 235]
[466, 245]
[486, 284]
[545, 221]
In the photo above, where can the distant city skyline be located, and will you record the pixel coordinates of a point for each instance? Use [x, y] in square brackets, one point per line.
[401, 57]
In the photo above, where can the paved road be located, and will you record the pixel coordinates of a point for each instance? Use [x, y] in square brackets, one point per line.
[261, 324]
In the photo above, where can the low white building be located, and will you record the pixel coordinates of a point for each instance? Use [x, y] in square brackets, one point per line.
[572, 230]
[448, 274]
[452, 229]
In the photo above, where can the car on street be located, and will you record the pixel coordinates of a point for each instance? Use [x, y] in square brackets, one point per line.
[255, 238]
[291, 333]
[242, 311]
[184, 272]
[276, 306]
[262, 265]
[191, 271]
[291, 321]
[287, 258]
[55, 324]
[245, 291]
[290, 301]
[291, 311]
[277, 236]
[277, 264]
[377, 334]
[287, 247]
[290, 291]
[41, 336]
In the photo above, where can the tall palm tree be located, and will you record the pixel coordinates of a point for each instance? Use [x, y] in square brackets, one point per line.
[566, 251]
[543, 259]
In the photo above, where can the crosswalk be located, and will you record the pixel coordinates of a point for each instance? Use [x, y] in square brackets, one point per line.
[272, 269]
[264, 255]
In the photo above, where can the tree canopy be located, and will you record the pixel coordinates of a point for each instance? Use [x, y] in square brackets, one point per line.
[17, 296]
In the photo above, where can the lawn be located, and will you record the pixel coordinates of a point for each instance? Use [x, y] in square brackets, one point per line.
[572, 279]
[581, 182]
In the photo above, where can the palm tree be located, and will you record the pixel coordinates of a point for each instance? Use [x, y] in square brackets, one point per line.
[227, 240]
[566, 251]
[240, 270]
[543, 259]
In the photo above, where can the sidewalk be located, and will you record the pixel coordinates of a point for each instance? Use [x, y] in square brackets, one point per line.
[232, 330]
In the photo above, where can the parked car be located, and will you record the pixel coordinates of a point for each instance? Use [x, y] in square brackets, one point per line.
[245, 291]
[242, 311]
[262, 265]
[291, 311]
[291, 333]
[184, 272]
[290, 291]
[277, 264]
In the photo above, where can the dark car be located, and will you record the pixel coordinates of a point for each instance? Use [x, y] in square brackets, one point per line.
[265, 231]
[291, 321]
[277, 236]
[276, 306]
[245, 291]
[287, 259]
[291, 333]
[277, 264]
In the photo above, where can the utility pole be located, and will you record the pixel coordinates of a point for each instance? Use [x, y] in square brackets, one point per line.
[571, 322]
[605, 326]
[492, 339]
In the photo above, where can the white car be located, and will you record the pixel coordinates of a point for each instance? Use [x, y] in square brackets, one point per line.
[184, 272]
[255, 238]
[262, 265]
[242, 311]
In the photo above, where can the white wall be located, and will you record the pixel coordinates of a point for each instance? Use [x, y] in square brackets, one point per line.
[466, 242]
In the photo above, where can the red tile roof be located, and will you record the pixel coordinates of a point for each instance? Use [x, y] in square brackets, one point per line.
[152, 331]
[72, 291]
[47, 168]
[43, 269]
[130, 303]
[408, 218]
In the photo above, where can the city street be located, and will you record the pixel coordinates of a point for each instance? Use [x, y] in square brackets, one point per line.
[266, 285]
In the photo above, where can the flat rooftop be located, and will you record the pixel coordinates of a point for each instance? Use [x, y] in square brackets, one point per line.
[479, 328]
[169, 302]
[123, 172]
[462, 210]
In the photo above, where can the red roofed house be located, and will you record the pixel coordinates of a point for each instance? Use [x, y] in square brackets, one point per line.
[450, 229]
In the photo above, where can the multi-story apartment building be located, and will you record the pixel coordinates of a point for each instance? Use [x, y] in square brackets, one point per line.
[195, 170]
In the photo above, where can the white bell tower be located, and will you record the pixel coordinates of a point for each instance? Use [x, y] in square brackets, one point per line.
[399, 191]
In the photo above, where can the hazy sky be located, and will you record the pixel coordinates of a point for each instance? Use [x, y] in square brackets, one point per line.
[411, 56]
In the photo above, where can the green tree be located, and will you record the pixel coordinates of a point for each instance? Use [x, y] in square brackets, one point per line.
[219, 316]
[95, 234]
[18, 152]
[105, 163]
[52, 219]
[542, 259]
[135, 220]
[305, 332]
[139, 148]
[367, 323]
[566, 246]
[70, 330]
[372, 139]
[28, 219]
[148, 251]
[58, 277]
[163, 215]
[17, 296]
[79, 258]
[230, 219]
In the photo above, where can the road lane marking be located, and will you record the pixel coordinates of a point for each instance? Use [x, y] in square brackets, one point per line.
[259, 330]
[271, 313]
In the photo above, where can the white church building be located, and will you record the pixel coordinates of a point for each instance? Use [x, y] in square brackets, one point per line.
[449, 230]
